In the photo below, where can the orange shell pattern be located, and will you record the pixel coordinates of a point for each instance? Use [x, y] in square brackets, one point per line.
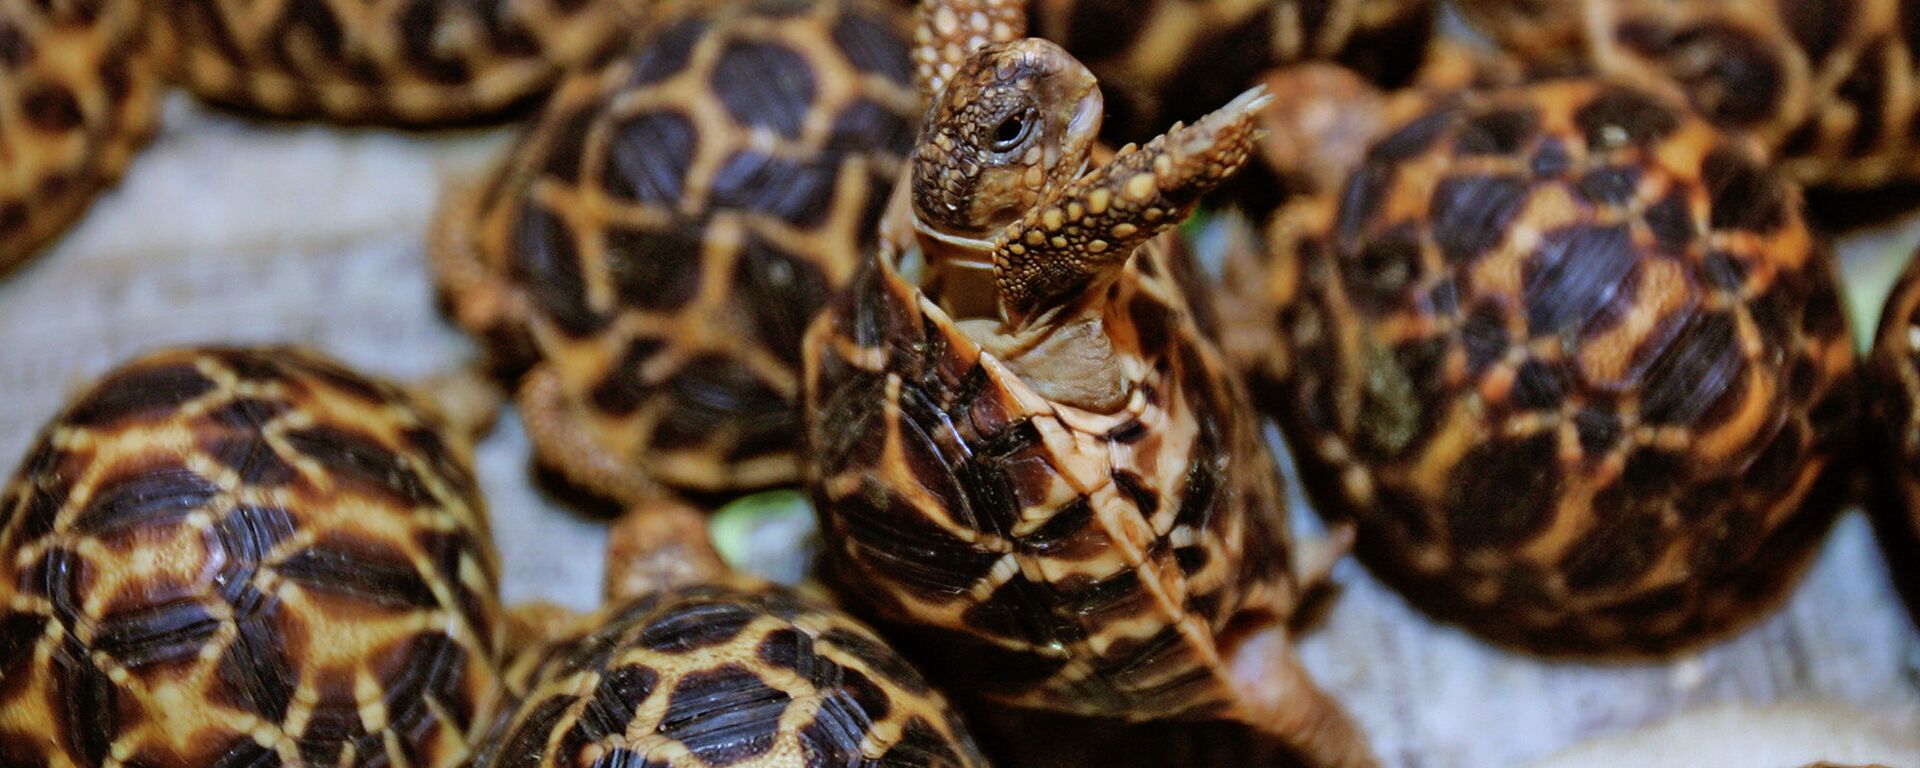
[661, 237]
[733, 674]
[1045, 555]
[229, 556]
[77, 98]
[1572, 361]
[412, 63]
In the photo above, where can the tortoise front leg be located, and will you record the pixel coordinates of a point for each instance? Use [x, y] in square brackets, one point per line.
[1091, 226]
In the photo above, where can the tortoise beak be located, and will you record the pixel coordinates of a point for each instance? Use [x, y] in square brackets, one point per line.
[1083, 110]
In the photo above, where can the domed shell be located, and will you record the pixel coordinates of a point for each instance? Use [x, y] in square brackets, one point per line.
[1046, 555]
[1826, 86]
[1572, 361]
[77, 97]
[244, 556]
[1167, 60]
[726, 674]
[660, 239]
[358, 61]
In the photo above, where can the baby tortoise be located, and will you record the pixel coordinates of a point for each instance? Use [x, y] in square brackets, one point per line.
[1567, 355]
[655, 246]
[415, 63]
[1827, 85]
[1166, 60]
[245, 556]
[77, 98]
[690, 665]
[1029, 463]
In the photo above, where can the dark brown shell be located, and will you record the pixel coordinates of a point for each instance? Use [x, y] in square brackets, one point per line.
[729, 674]
[1045, 555]
[77, 97]
[1571, 360]
[412, 63]
[237, 556]
[1826, 85]
[1164, 60]
[662, 236]
[1893, 428]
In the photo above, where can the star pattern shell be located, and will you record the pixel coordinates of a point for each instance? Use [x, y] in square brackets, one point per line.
[1571, 360]
[1047, 556]
[731, 674]
[659, 240]
[244, 556]
[1168, 60]
[77, 98]
[1826, 85]
[420, 62]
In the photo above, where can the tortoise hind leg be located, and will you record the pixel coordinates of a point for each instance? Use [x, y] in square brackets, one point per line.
[660, 544]
[1277, 696]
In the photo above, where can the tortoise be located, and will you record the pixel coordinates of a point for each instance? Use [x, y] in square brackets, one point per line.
[654, 246]
[1891, 393]
[1827, 86]
[1030, 466]
[1569, 357]
[245, 556]
[692, 665]
[77, 98]
[1167, 60]
[422, 63]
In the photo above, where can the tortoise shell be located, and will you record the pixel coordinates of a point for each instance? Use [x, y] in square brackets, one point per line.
[724, 674]
[1056, 557]
[658, 241]
[1168, 60]
[365, 61]
[1892, 405]
[1827, 86]
[244, 556]
[1570, 359]
[77, 97]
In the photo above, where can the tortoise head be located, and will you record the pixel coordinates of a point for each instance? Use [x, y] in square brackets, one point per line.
[1016, 122]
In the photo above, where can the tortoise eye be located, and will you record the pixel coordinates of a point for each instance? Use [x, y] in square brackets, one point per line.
[1010, 132]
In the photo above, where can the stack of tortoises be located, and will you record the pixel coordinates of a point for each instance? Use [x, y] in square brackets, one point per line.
[415, 63]
[1828, 86]
[1028, 461]
[242, 557]
[1568, 356]
[77, 97]
[1164, 60]
[657, 243]
[690, 665]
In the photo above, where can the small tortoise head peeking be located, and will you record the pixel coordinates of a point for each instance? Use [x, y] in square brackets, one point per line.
[1016, 121]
